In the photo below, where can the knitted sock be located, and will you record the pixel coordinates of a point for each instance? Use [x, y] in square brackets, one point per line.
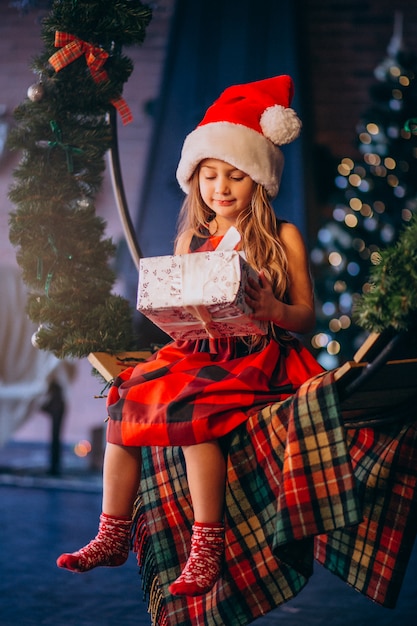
[109, 548]
[203, 567]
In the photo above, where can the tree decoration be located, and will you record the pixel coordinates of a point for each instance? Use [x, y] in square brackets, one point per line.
[63, 130]
[374, 198]
[391, 300]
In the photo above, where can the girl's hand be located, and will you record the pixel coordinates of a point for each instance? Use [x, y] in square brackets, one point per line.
[260, 297]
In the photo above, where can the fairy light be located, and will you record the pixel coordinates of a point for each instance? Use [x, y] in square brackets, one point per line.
[372, 159]
[82, 448]
[333, 347]
[365, 138]
[355, 204]
[375, 258]
[335, 259]
[379, 207]
[339, 286]
[345, 321]
[366, 210]
[373, 129]
[390, 163]
[355, 180]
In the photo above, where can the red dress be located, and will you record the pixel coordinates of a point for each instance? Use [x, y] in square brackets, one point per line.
[194, 391]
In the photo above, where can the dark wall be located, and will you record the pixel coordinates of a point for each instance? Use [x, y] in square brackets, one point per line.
[215, 44]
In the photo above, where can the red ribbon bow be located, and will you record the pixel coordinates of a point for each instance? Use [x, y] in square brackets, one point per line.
[71, 49]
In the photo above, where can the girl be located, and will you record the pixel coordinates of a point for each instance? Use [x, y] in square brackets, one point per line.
[192, 393]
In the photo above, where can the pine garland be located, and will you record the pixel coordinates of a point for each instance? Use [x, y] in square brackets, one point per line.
[63, 131]
[391, 302]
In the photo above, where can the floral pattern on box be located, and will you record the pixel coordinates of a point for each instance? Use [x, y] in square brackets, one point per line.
[191, 296]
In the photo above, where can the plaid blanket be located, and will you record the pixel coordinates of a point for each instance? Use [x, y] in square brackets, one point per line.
[298, 487]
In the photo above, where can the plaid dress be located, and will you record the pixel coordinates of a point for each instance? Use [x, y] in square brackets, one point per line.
[194, 391]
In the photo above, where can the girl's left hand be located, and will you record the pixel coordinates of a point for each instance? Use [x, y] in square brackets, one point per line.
[260, 297]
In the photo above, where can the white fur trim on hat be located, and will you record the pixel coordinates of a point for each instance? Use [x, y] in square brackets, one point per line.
[241, 146]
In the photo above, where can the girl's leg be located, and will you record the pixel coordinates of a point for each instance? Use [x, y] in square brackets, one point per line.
[206, 475]
[121, 478]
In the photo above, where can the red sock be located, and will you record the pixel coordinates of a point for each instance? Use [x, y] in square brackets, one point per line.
[203, 567]
[110, 547]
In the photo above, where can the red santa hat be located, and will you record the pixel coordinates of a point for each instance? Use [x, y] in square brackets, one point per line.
[245, 127]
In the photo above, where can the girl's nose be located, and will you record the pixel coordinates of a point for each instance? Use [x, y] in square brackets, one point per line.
[222, 186]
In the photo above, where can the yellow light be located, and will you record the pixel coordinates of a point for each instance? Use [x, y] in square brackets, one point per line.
[320, 340]
[397, 94]
[333, 347]
[335, 325]
[345, 321]
[404, 81]
[392, 180]
[372, 128]
[390, 163]
[376, 258]
[366, 210]
[372, 159]
[365, 138]
[355, 180]
[82, 448]
[335, 259]
[351, 220]
[380, 170]
[339, 286]
[355, 204]
[343, 169]
[348, 162]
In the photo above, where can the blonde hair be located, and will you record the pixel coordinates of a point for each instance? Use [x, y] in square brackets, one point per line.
[257, 225]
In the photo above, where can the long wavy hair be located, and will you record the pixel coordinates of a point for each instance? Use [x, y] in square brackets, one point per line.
[259, 229]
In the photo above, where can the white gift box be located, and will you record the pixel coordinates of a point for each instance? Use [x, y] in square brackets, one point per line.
[192, 296]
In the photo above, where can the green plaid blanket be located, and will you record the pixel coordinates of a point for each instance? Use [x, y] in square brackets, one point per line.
[298, 487]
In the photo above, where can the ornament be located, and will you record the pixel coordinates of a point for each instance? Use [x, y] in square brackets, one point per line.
[34, 338]
[36, 92]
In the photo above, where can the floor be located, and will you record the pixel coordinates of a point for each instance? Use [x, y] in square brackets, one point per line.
[41, 516]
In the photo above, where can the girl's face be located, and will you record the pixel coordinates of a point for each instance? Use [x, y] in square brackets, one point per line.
[226, 190]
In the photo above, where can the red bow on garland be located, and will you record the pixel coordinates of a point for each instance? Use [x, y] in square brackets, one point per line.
[71, 49]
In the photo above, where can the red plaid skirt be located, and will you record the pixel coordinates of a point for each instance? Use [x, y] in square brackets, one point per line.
[190, 392]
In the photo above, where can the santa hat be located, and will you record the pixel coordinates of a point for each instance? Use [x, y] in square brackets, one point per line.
[245, 127]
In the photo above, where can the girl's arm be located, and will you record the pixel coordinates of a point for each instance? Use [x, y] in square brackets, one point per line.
[298, 316]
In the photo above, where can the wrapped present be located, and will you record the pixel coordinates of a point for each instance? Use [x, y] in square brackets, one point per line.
[192, 296]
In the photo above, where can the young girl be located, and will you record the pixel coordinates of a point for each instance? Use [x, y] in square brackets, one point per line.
[192, 393]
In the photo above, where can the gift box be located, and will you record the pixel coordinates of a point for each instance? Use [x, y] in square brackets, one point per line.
[193, 296]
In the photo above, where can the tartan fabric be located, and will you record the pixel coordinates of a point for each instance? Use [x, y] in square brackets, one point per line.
[183, 396]
[269, 532]
[372, 557]
[195, 391]
[71, 48]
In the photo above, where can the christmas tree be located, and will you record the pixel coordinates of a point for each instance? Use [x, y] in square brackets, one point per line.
[63, 131]
[374, 198]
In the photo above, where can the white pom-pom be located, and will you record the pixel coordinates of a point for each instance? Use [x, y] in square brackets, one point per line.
[280, 124]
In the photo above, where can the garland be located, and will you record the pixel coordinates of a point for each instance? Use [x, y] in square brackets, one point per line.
[63, 131]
